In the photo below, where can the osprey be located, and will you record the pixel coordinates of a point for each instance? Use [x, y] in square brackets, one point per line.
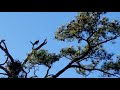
[36, 42]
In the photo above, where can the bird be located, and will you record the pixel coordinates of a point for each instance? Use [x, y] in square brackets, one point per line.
[35, 43]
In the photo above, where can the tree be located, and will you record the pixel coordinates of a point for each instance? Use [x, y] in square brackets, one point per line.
[90, 30]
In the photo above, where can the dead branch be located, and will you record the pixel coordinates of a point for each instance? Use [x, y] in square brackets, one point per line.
[7, 72]
[5, 61]
[47, 72]
[6, 50]
[37, 48]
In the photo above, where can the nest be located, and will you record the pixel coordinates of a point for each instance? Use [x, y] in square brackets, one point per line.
[15, 67]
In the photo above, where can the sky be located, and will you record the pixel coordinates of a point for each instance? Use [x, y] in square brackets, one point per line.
[19, 28]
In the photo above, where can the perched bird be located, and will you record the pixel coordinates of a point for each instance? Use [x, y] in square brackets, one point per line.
[36, 42]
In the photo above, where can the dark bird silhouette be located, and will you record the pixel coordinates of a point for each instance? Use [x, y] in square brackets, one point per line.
[36, 42]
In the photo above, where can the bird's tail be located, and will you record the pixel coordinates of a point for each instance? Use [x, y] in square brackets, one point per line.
[31, 42]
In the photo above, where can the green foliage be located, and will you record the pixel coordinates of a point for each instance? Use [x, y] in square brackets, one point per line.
[95, 30]
[85, 24]
[42, 57]
[70, 52]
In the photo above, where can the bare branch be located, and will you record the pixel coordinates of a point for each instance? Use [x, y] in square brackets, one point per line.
[45, 41]
[5, 61]
[25, 73]
[47, 72]
[4, 74]
[35, 72]
[33, 76]
[2, 41]
[5, 45]
[6, 51]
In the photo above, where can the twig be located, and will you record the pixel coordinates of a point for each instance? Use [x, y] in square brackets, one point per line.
[47, 72]
[8, 73]
[35, 72]
[5, 61]
[67, 57]
[45, 41]
[4, 74]
[105, 41]
[33, 76]
[80, 38]
[25, 73]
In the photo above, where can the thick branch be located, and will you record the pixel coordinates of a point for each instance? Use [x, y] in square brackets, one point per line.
[61, 71]
[6, 51]
[76, 59]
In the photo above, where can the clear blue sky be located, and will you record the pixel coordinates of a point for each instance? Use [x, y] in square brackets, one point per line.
[18, 28]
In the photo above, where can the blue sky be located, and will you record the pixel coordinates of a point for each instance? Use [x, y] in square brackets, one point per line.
[18, 28]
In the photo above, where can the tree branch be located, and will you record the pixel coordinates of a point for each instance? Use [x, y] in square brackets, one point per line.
[4, 74]
[26, 59]
[35, 72]
[8, 73]
[47, 72]
[76, 59]
[45, 41]
[25, 73]
[5, 61]
[105, 41]
[6, 51]
[79, 66]
[80, 38]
